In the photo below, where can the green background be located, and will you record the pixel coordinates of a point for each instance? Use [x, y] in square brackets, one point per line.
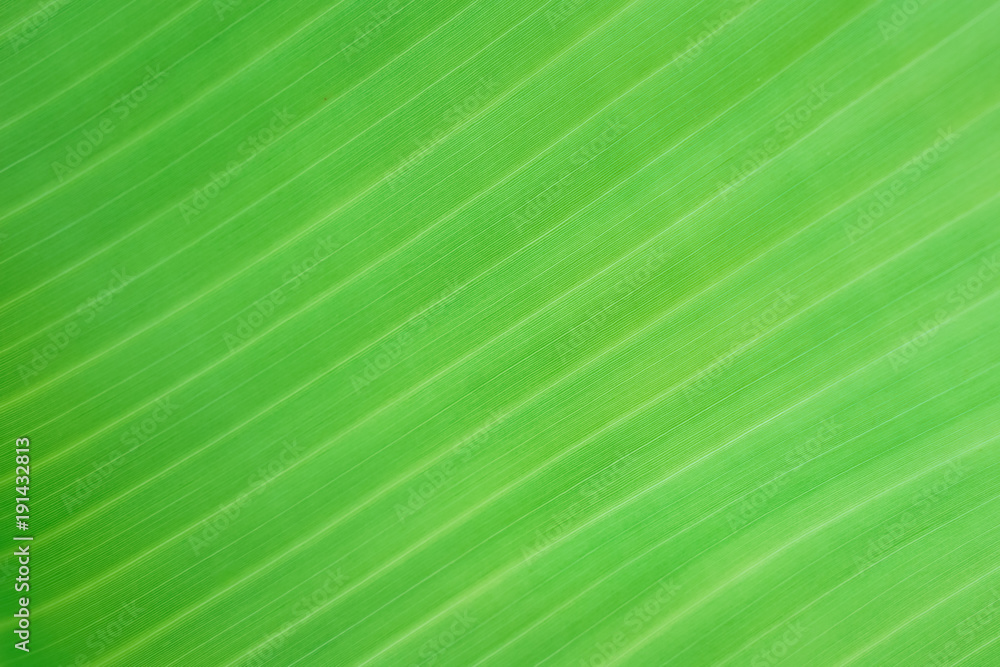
[420, 332]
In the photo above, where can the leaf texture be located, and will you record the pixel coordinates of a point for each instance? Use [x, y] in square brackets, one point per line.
[482, 332]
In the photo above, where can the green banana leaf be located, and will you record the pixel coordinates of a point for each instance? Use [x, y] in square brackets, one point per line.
[500, 332]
